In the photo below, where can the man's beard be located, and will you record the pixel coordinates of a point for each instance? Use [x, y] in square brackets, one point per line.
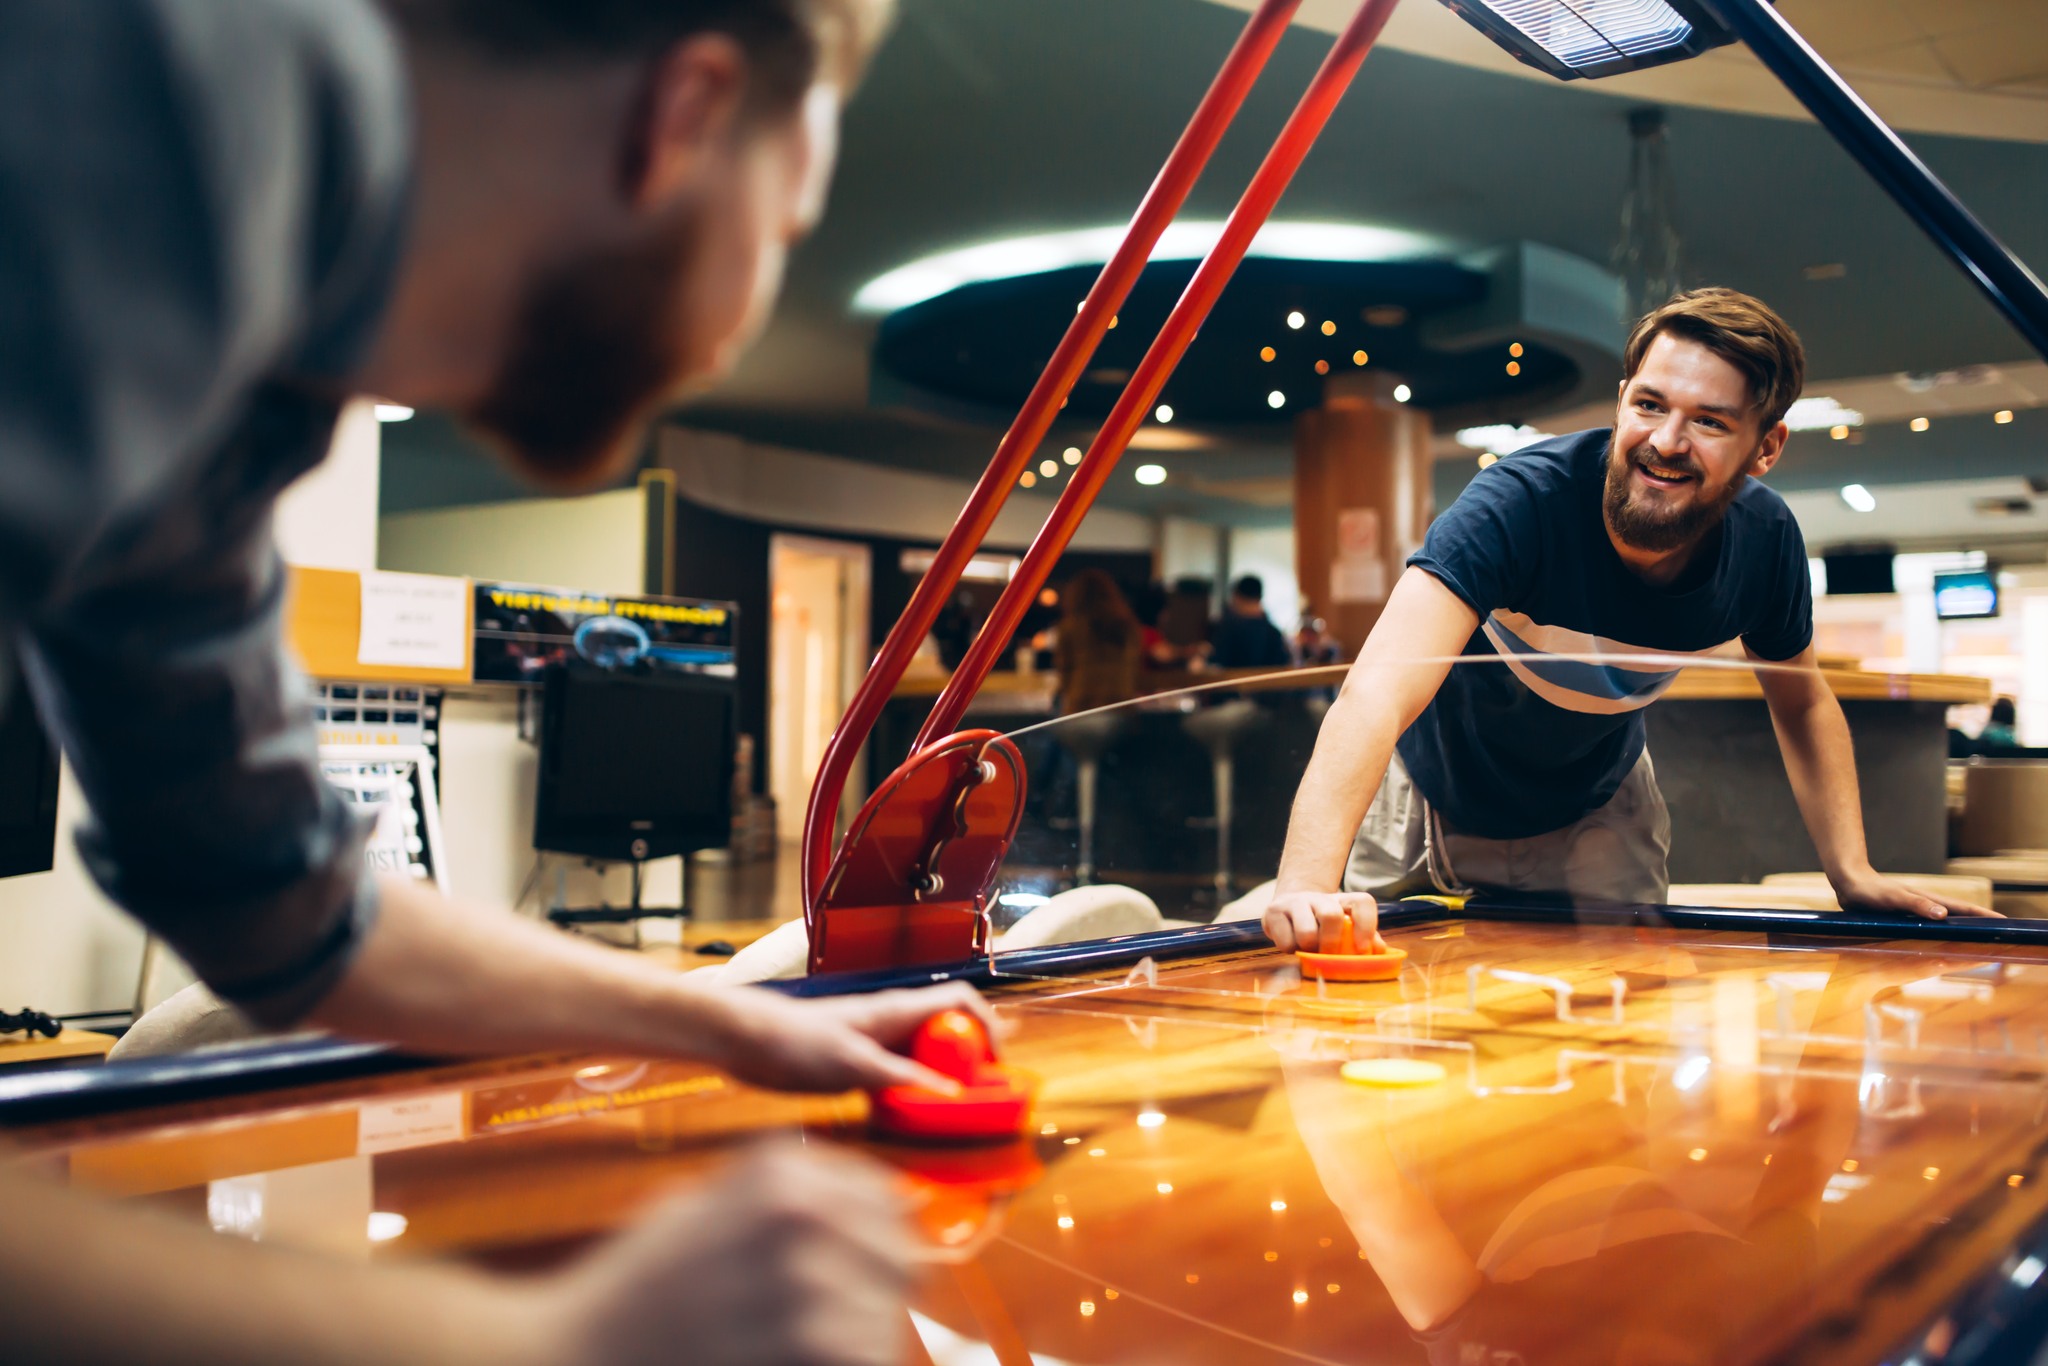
[597, 346]
[1661, 530]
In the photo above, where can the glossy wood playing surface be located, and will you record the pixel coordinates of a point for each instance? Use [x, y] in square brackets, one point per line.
[1650, 1145]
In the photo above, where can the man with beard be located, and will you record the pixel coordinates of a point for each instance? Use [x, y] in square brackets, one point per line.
[218, 220]
[1528, 771]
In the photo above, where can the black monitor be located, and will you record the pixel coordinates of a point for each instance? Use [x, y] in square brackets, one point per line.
[28, 784]
[1859, 571]
[634, 765]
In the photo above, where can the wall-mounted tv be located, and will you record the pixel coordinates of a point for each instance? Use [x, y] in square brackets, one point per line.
[1970, 594]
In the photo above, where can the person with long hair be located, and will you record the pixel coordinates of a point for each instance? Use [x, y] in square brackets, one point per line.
[1101, 644]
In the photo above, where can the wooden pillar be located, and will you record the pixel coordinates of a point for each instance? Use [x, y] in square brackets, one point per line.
[1361, 501]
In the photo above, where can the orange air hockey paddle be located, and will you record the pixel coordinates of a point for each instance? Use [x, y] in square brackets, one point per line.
[1347, 964]
[993, 1104]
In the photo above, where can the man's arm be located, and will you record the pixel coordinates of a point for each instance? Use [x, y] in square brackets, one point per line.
[443, 977]
[1403, 663]
[792, 1259]
[1813, 736]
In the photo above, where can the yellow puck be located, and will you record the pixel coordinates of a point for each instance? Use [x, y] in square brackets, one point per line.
[1392, 1072]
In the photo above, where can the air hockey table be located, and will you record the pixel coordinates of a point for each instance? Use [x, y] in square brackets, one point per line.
[1657, 1136]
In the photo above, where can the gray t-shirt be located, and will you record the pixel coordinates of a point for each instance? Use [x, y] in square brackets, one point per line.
[201, 204]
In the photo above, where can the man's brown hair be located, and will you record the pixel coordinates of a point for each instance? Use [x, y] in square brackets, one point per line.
[791, 43]
[1741, 330]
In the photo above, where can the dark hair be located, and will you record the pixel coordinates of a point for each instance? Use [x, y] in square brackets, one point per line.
[1250, 586]
[791, 43]
[1096, 609]
[1741, 330]
[2004, 713]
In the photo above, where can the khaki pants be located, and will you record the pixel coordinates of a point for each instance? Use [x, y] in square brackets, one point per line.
[1619, 852]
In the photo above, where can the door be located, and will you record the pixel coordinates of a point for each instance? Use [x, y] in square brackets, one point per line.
[818, 650]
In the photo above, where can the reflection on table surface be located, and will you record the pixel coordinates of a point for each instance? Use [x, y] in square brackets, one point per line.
[1648, 1146]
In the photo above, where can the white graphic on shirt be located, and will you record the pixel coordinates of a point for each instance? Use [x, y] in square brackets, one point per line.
[1580, 681]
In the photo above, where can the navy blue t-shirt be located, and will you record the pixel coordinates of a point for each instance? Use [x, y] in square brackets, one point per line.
[1509, 751]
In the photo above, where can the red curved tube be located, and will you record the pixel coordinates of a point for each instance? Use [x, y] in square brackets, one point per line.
[1304, 125]
[1156, 211]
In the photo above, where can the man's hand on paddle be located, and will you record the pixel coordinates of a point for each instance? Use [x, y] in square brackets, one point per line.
[1315, 921]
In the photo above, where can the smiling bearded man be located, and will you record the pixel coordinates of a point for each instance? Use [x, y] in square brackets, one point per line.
[1571, 560]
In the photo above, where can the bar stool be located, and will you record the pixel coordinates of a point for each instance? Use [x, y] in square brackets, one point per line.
[1086, 736]
[1217, 729]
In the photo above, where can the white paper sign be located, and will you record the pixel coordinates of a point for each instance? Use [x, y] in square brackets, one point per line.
[1356, 581]
[415, 620]
[415, 1122]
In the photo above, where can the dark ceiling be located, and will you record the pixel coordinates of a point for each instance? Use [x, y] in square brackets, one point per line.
[985, 119]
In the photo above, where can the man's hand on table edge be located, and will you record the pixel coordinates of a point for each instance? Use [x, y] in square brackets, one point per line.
[1872, 891]
[1315, 921]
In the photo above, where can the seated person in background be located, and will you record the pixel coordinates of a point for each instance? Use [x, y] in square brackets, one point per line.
[223, 219]
[1652, 538]
[1314, 645]
[2002, 730]
[1245, 637]
[1099, 645]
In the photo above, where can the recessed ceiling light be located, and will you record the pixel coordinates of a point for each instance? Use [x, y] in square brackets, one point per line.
[393, 412]
[1267, 353]
[1164, 412]
[1500, 438]
[1012, 257]
[1919, 424]
[1402, 393]
[1150, 474]
[1840, 431]
[1515, 349]
[1027, 479]
[1048, 468]
[1820, 412]
[1488, 460]
[1322, 367]
[1514, 367]
[2002, 416]
[1072, 455]
[1296, 320]
[1859, 498]
[1329, 328]
[1276, 399]
[1359, 358]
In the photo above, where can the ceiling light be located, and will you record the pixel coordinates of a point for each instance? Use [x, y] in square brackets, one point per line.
[1048, 468]
[1072, 455]
[1329, 328]
[1150, 1119]
[2002, 416]
[1267, 353]
[1402, 393]
[1839, 432]
[1515, 349]
[1859, 498]
[1359, 358]
[1164, 412]
[1819, 413]
[1276, 399]
[1514, 367]
[1027, 479]
[1487, 460]
[1164, 1188]
[1570, 38]
[1011, 257]
[385, 1225]
[393, 412]
[1150, 474]
[1278, 1206]
[1919, 424]
[1296, 321]
[1322, 367]
[1301, 1297]
[1501, 438]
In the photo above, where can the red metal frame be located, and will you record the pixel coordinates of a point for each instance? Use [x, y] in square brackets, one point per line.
[933, 794]
[1155, 213]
